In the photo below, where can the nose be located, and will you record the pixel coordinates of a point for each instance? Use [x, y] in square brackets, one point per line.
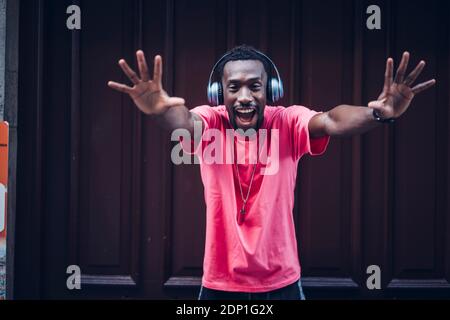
[244, 96]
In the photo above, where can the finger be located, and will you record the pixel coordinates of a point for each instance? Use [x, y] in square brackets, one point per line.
[402, 68]
[176, 101]
[414, 74]
[423, 86]
[142, 64]
[157, 71]
[128, 71]
[377, 104]
[120, 87]
[388, 74]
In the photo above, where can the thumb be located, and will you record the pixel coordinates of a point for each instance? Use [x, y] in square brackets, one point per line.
[377, 104]
[176, 101]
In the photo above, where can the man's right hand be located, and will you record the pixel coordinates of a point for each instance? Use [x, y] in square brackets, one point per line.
[148, 95]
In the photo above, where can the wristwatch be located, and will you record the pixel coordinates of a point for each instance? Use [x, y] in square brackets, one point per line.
[379, 119]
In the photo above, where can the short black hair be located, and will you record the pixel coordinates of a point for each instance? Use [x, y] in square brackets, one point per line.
[242, 52]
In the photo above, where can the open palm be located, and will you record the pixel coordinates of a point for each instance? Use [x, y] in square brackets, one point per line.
[148, 95]
[398, 93]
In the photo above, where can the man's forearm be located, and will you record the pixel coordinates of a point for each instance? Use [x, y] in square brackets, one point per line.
[177, 117]
[346, 120]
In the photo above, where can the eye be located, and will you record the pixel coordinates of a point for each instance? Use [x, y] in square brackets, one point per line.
[256, 87]
[233, 88]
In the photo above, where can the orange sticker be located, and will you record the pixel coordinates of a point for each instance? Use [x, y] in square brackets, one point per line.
[4, 131]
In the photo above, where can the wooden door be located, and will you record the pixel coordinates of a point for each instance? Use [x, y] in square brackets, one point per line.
[97, 189]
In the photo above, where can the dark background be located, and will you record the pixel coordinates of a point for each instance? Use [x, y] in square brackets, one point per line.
[96, 187]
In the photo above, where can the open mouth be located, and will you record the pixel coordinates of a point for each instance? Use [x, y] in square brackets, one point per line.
[246, 115]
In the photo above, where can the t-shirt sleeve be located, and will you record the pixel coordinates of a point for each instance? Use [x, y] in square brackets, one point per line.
[297, 119]
[209, 119]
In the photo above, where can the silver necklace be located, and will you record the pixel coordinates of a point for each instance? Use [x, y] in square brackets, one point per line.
[244, 201]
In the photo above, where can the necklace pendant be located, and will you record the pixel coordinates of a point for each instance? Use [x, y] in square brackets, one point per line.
[242, 211]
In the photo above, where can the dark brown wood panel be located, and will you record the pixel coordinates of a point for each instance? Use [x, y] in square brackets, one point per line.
[156, 168]
[374, 149]
[329, 71]
[29, 162]
[445, 103]
[417, 251]
[415, 154]
[106, 245]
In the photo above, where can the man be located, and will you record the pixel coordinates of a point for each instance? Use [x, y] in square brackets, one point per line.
[251, 247]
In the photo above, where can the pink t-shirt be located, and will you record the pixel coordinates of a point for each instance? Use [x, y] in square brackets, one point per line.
[257, 251]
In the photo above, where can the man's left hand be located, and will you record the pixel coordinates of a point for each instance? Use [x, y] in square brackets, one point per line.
[398, 93]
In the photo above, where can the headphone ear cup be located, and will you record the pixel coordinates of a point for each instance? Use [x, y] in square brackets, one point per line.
[269, 90]
[213, 94]
[219, 93]
[276, 89]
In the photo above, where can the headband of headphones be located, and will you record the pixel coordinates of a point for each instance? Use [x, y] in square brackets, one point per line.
[274, 85]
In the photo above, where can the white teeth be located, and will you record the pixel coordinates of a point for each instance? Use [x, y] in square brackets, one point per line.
[245, 111]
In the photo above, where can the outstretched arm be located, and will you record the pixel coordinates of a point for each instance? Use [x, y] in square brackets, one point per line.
[150, 97]
[394, 100]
